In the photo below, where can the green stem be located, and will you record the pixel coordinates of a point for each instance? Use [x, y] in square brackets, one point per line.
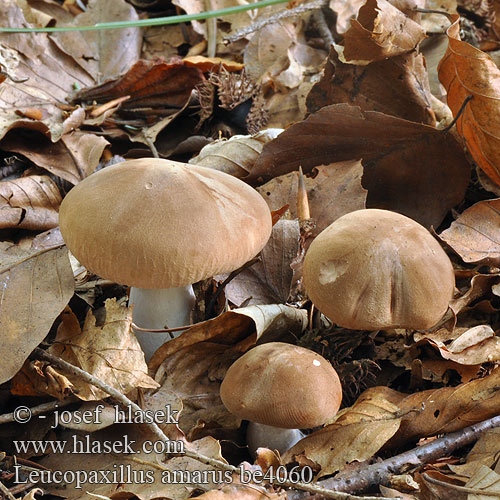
[150, 22]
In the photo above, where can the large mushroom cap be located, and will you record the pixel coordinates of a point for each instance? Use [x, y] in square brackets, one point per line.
[153, 223]
[282, 385]
[374, 269]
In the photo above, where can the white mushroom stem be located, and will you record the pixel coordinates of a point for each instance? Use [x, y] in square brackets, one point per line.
[274, 438]
[160, 308]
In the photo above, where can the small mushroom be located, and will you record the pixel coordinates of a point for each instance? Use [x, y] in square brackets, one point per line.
[159, 226]
[283, 386]
[373, 269]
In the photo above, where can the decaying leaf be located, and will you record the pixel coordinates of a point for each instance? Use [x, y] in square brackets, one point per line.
[382, 29]
[486, 482]
[109, 351]
[409, 168]
[269, 281]
[237, 155]
[29, 203]
[356, 433]
[35, 288]
[466, 71]
[397, 86]
[474, 235]
[345, 12]
[333, 191]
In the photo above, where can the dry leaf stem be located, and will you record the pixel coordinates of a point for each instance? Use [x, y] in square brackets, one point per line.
[264, 21]
[380, 473]
[87, 377]
[6, 492]
[463, 489]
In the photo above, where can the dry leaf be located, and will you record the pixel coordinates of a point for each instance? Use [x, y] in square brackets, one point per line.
[268, 281]
[382, 30]
[116, 52]
[409, 168]
[333, 191]
[50, 75]
[356, 433]
[29, 203]
[250, 323]
[466, 71]
[109, 351]
[242, 492]
[398, 86]
[207, 64]
[237, 155]
[481, 284]
[486, 482]
[43, 279]
[345, 12]
[475, 233]
[74, 157]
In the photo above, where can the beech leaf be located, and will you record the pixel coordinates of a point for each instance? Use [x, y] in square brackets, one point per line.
[466, 71]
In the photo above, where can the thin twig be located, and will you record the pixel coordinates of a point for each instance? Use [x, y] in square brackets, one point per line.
[38, 410]
[380, 473]
[320, 21]
[460, 112]
[464, 489]
[264, 21]
[91, 379]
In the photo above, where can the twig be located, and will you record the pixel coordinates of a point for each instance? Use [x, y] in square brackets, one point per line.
[264, 21]
[87, 377]
[38, 410]
[460, 112]
[381, 472]
[223, 285]
[6, 492]
[322, 26]
[303, 211]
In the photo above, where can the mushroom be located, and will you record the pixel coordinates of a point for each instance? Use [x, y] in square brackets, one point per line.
[159, 226]
[374, 269]
[283, 386]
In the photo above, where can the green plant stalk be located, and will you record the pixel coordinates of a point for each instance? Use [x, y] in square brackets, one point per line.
[150, 22]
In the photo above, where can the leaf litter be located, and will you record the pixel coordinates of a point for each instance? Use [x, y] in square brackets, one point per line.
[360, 119]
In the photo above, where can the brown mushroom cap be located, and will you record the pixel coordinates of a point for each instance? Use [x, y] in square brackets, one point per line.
[282, 385]
[374, 269]
[153, 223]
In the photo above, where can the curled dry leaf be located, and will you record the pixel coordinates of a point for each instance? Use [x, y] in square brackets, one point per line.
[409, 168]
[74, 157]
[109, 351]
[29, 203]
[474, 235]
[333, 191]
[44, 280]
[269, 281]
[382, 29]
[247, 323]
[37, 59]
[356, 433]
[481, 284]
[486, 483]
[397, 86]
[237, 155]
[466, 71]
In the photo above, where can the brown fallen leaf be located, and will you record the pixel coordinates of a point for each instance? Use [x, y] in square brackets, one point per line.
[356, 433]
[74, 157]
[466, 71]
[333, 191]
[207, 64]
[345, 12]
[242, 492]
[474, 235]
[116, 52]
[29, 203]
[44, 281]
[409, 168]
[35, 61]
[268, 281]
[247, 325]
[108, 350]
[481, 284]
[486, 483]
[397, 86]
[382, 29]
